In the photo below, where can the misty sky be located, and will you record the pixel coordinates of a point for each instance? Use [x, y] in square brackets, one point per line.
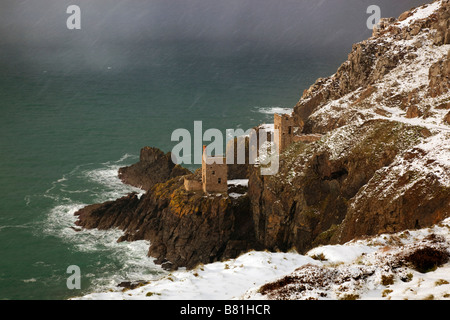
[112, 25]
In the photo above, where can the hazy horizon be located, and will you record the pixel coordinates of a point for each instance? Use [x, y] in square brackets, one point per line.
[120, 31]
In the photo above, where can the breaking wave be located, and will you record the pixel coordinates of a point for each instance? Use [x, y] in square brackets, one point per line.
[273, 110]
[88, 184]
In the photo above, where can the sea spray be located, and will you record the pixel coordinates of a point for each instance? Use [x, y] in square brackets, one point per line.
[116, 262]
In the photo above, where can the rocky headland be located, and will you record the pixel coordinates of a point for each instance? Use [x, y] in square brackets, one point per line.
[382, 164]
[153, 167]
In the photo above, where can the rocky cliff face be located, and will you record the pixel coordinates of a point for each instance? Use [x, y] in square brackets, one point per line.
[402, 43]
[381, 166]
[306, 202]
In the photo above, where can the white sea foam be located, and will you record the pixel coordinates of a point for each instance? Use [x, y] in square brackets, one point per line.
[94, 184]
[273, 110]
[128, 260]
[27, 200]
[126, 157]
[20, 226]
[76, 191]
[112, 186]
[61, 218]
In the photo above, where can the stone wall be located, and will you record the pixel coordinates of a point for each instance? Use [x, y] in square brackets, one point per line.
[192, 185]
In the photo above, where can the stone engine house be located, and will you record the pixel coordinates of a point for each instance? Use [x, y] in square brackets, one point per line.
[284, 123]
[214, 176]
[290, 131]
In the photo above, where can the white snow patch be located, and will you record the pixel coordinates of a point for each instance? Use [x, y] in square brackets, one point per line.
[273, 110]
[235, 195]
[238, 182]
[242, 277]
[367, 270]
[216, 281]
[421, 13]
[342, 253]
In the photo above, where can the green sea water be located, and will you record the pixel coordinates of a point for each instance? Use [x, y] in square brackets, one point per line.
[66, 126]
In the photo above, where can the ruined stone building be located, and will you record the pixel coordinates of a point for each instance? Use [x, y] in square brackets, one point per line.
[214, 177]
[285, 125]
[289, 131]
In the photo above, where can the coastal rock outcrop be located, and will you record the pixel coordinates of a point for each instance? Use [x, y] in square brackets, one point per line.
[153, 167]
[184, 228]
